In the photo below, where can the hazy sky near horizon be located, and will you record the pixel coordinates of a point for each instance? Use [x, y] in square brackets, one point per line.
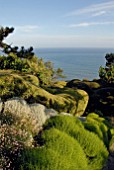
[59, 23]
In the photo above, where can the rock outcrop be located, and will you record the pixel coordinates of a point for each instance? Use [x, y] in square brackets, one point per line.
[101, 95]
[61, 99]
[19, 112]
[79, 85]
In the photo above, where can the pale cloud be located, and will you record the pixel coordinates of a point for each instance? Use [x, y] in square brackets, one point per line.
[99, 13]
[44, 40]
[27, 28]
[87, 24]
[96, 9]
[50, 41]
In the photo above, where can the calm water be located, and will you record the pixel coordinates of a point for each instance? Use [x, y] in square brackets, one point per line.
[76, 62]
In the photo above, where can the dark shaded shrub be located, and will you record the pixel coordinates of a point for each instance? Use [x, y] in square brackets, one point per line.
[107, 73]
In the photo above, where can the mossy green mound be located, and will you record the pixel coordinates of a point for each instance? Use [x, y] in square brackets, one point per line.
[26, 86]
[111, 146]
[92, 84]
[31, 78]
[60, 152]
[99, 126]
[92, 146]
[60, 84]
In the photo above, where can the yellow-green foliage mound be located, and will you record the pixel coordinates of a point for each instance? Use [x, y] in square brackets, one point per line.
[60, 152]
[26, 87]
[65, 144]
[60, 84]
[99, 126]
[93, 147]
[92, 84]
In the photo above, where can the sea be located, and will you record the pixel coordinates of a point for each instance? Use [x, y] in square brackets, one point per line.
[77, 63]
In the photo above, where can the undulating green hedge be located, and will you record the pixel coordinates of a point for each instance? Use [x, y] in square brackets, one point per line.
[99, 126]
[93, 147]
[60, 152]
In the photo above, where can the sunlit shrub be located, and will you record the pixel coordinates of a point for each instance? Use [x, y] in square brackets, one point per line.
[60, 152]
[99, 126]
[93, 147]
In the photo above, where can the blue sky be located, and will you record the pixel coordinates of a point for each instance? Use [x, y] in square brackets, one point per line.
[59, 23]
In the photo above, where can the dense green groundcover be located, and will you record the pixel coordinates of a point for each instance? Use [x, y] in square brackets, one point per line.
[65, 144]
[91, 144]
[60, 151]
[99, 126]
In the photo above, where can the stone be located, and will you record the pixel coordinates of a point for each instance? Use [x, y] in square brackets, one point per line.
[33, 114]
[82, 103]
[79, 85]
[1, 104]
[62, 99]
[16, 106]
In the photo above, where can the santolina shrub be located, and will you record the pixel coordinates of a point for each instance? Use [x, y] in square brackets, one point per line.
[60, 152]
[99, 126]
[92, 146]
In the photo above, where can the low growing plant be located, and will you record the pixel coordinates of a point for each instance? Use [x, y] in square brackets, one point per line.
[60, 152]
[99, 126]
[11, 144]
[93, 147]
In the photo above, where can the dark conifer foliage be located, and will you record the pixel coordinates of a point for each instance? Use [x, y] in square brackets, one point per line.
[21, 53]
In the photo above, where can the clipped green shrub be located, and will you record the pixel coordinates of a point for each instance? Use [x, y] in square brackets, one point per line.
[64, 123]
[93, 147]
[60, 152]
[99, 126]
[94, 128]
[111, 146]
